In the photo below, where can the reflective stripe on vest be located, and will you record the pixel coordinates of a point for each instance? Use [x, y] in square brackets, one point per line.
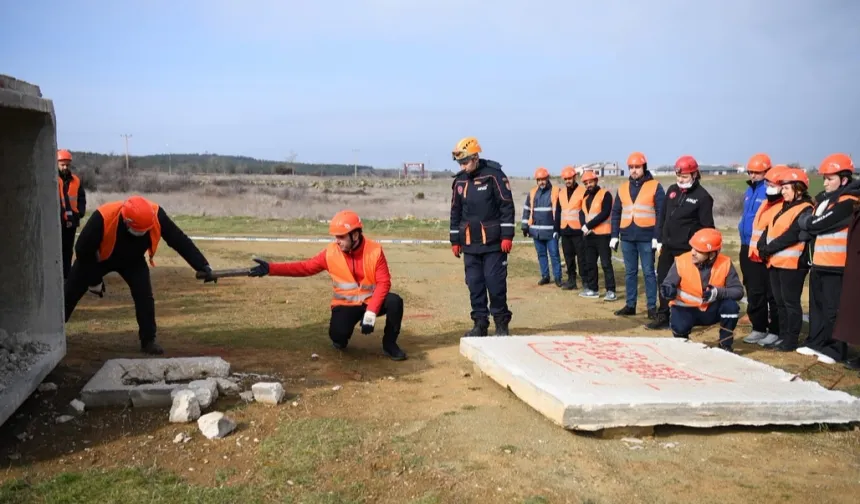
[605, 227]
[110, 213]
[347, 291]
[643, 211]
[765, 213]
[831, 249]
[789, 257]
[554, 201]
[74, 187]
[690, 288]
[570, 208]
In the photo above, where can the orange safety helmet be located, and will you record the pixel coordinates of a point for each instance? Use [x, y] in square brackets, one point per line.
[568, 172]
[836, 163]
[589, 175]
[707, 240]
[344, 222]
[759, 163]
[794, 175]
[774, 174]
[138, 214]
[541, 173]
[64, 155]
[686, 164]
[636, 159]
[466, 147]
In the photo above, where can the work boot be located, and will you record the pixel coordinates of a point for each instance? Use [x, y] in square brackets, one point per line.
[151, 347]
[558, 282]
[394, 352]
[681, 336]
[543, 281]
[852, 364]
[479, 329]
[652, 313]
[627, 310]
[570, 285]
[661, 322]
[502, 328]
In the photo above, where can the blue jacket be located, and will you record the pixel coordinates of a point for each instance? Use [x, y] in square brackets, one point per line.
[634, 233]
[544, 225]
[754, 196]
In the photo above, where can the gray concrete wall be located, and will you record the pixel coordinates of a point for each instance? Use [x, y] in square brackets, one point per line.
[32, 334]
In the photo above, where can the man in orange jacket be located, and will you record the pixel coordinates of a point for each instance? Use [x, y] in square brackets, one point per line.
[115, 239]
[703, 289]
[360, 279]
[73, 205]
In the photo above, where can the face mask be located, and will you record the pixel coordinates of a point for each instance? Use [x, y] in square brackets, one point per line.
[686, 185]
[772, 190]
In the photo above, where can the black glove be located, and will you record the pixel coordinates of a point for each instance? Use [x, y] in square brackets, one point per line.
[261, 269]
[525, 233]
[668, 291]
[804, 236]
[209, 278]
[710, 294]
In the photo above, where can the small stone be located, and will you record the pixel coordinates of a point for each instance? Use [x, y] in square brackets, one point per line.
[268, 392]
[64, 418]
[391, 378]
[47, 387]
[336, 388]
[669, 445]
[247, 396]
[185, 407]
[14, 456]
[315, 356]
[182, 437]
[295, 403]
[215, 425]
[631, 440]
[22, 436]
[78, 406]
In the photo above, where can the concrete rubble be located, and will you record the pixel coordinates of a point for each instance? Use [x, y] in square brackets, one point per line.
[185, 408]
[268, 392]
[602, 382]
[215, 425]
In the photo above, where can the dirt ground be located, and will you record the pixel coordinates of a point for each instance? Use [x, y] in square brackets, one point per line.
[420, 431]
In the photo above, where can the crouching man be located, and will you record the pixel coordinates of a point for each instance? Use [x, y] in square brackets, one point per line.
[703, 288]
[360, 279]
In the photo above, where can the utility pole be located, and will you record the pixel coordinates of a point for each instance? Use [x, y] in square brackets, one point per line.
[126, 136]
[355, 162]
[169, 161]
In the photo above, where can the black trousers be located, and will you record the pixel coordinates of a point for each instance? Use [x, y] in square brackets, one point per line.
[787, 285]
[68, 237]
[761, 305]
[488, 273]
[344, 319]
[135, 274]
[825, 289]
[598, 246]
[664, 263]
[573, 248]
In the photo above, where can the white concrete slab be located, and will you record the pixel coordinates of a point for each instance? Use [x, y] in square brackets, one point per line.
[597, 382]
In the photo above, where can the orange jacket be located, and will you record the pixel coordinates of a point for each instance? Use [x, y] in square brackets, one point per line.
[110, 213]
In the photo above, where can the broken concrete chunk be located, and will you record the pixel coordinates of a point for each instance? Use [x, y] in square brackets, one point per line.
[215, 425]
[47, 387]
[227, 387]
[268, 392]
[77, 405]
[64, 418]
[247, 396]
[182, 437]
[185, 407]
[205, 390]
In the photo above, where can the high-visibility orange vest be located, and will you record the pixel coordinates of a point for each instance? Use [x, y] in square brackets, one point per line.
[593, 210]
[644, 210]
[690, 289]
[831, 249]
[74, 187]
[764, 215]
[789, 257]
[347, 290]
[110, 213]
[570, 208]
[553, 199]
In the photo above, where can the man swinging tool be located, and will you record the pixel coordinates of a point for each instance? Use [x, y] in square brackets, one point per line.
[115, 239]
[360, 279]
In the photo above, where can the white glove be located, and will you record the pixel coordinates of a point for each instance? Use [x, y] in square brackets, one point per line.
[368, 322]
[656, 245]
[711, 294]
[613, 242]
[555, 236]
[585, 230]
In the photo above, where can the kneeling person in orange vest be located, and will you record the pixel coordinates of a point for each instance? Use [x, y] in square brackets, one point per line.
[360, 279]
[703, 289]
[115, 239]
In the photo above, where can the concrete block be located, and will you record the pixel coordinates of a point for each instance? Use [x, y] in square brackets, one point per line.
[148, 382]
[31, 276]
[599, 382]
[268, 392]
[215, 425]
[185, 407]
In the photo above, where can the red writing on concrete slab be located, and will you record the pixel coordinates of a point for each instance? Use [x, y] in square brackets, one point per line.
[613, 358]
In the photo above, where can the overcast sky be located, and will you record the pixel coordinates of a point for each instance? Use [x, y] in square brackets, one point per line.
[540, 83]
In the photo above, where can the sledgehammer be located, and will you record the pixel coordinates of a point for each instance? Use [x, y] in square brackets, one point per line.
[225, 273]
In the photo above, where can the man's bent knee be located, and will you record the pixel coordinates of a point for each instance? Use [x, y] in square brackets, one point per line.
[729, 306]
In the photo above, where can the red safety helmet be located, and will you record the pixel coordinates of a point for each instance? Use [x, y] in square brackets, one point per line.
[707, 240]
[344, 222]
[636, 159]
[138, 214]
[774, 174]
[686, 164]
[794, 175]
[568, 172]
[589, 175]
[541, 173]
[836, 163]
[64, 155]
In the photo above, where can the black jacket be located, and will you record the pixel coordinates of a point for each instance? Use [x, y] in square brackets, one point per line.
[828, 220]
[482, 204]
[684, 213]
[789, 238]
[605, 209]
[130, 248]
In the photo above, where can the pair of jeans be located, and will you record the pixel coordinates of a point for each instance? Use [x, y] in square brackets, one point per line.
[550, 246]
[634, 253]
